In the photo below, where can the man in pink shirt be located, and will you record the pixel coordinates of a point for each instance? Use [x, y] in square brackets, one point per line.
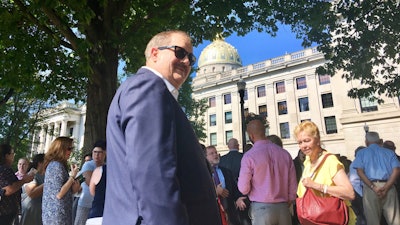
[267, 175]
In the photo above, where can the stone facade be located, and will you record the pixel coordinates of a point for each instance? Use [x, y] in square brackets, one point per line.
[287, 90]
[65, 119]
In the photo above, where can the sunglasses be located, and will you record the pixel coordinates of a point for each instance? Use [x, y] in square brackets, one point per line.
[180, 53]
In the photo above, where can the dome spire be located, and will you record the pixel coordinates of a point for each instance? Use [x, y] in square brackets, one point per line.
[219, 37]
[219, 56]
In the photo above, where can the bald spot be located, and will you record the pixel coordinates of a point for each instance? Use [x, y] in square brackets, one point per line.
[233, 143]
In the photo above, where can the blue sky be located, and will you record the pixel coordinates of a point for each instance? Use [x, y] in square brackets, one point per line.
[256, 47]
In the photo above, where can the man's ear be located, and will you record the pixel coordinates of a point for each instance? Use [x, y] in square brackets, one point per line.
[154, 54]
[250, 135]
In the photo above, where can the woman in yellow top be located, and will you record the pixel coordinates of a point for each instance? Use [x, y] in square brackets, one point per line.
[331, 178]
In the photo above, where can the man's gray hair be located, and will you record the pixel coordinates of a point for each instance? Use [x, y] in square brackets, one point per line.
[372, 137]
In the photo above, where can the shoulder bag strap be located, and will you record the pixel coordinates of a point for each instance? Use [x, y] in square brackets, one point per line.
[319, 165]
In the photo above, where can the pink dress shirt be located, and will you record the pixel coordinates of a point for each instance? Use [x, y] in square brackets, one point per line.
[267, 174]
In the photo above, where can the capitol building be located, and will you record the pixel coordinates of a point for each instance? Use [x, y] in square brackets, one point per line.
[285, 89]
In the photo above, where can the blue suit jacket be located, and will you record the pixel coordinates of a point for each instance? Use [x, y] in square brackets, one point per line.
[156, 168]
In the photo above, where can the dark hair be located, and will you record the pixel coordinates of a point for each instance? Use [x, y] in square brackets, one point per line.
[275, 139]
[101, 144]
[247, 147]
[389, 145]
[4, 150]
[252, 116]
[39, 158]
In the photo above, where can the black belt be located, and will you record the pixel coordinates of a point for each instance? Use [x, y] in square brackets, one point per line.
[373, 181]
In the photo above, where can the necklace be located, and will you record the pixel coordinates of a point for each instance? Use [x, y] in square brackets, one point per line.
[316, 160]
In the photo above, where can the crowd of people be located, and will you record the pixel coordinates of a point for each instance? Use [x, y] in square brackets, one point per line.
[41, 191]
[157, 172]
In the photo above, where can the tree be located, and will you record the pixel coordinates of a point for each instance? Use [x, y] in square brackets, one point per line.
[366, 46]
[359, 38]
[73, 47]
[194, 109]
[18, 118]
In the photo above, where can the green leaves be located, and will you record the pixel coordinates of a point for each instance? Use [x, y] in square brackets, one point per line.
[365, 46]
[193, 109]
[71, 49]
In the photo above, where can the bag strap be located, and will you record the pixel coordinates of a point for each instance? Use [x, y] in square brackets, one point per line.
[319, 165]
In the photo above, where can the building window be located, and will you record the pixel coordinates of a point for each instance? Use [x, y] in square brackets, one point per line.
[228, 117]
[213, 139]
[227, 99]
[303, 104]
[245, 97]
[327, 100]
[284, 128]
[213, 120]
[305, 120]
[261, 91]
[71, 131]
[280, 87]
[330, 124]
[211, 102]
[228, 135]
[301, 83]
[324, 79]
[262, 110]
[282, 108]
[368, 105]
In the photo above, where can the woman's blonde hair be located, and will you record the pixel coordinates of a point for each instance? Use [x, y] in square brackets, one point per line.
[308, 127]
[58, 151]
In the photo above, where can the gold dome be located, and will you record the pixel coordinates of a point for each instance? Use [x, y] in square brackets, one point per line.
[219, 52]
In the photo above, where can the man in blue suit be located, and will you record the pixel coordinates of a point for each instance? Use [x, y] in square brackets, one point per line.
[157, 173]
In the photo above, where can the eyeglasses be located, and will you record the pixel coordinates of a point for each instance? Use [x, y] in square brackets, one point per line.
[180, 53]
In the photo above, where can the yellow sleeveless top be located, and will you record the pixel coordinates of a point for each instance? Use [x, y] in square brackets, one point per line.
[324, 176]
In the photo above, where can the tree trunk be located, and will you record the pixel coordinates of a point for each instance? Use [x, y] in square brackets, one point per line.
[100, 91]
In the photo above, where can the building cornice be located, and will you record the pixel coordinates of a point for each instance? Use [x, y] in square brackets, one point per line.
[287, 61]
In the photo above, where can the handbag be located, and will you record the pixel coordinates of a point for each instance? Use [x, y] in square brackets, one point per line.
[315, 210]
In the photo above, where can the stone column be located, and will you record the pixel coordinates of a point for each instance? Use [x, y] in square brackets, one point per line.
[63, 131]
[56, 129]
[48, 137]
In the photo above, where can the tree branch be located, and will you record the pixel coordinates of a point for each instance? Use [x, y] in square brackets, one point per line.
[153, 14]
[65, 30]
[7, 96]
[44, 28]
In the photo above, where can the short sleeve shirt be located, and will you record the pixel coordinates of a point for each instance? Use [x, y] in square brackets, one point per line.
[325, 174]
[8, 204]
[86, 198]
[377, 162]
